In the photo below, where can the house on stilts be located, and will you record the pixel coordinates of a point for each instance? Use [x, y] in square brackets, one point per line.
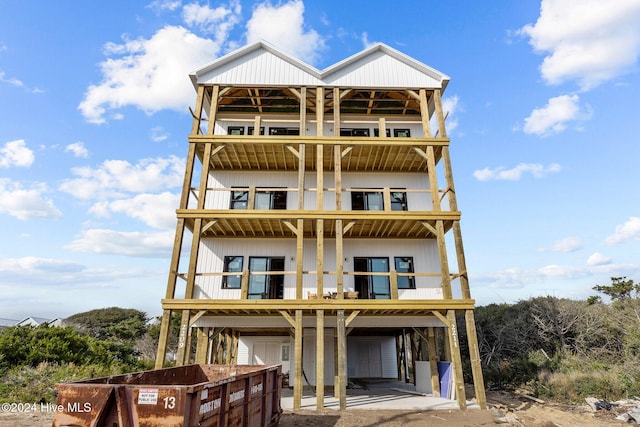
[320, 224]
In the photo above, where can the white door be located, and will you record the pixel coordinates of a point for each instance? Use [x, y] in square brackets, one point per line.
[369, 359]
[266, 353]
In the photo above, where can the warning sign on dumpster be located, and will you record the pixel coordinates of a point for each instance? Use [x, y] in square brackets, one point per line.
[148, 396]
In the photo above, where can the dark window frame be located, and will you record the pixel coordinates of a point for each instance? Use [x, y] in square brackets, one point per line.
[232, 129]
[360, 200]
[357, 132]
[237, 197]
[250, 130]
[273, 286]
[405, 282]
[399, 199]
[397, 133]
[376, 132]
[284, 131]
[365, 284]
[236, 280]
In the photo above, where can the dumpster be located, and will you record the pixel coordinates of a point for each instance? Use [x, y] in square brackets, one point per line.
[184, 396]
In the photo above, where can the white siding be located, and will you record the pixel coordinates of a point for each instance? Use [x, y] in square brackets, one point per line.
[212, 252]
[380, 70]
[211, 258]
[309, 357]
[229, 179]
[259, 67]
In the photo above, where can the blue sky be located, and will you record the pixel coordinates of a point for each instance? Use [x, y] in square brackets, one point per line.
[543, 118]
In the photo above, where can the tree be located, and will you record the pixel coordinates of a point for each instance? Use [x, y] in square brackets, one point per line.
[111, 324]
[620, 289]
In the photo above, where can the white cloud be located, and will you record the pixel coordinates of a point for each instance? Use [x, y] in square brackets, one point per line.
[102, 241]
[16, 153]
[514, 174]
[283, 26]
[155, 210]
[27, 203]
[78, 149]
[116, 178]
[150, 74]
[10, 80]
[548, 275]
[450, 105]
[569, 244]
[218, 21]
[365, 40]
[598, 259]
[589, 41]
[159, 6]
[158, 134]
[553, 117]
[630, 230]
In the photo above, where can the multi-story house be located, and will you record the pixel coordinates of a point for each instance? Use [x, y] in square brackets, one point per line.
[315, 221]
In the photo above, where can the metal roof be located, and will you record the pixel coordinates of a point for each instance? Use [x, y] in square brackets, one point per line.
[261, 64]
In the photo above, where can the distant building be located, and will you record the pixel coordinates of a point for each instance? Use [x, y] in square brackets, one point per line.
[38, 321]
[7, 323]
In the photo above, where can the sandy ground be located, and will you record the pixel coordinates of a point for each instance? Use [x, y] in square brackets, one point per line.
[504, 409]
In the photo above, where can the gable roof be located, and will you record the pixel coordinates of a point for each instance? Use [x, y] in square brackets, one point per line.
[264, 65]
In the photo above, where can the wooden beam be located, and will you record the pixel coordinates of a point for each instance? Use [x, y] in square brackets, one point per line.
[288, 318]
[213, 109]
[290, 226]
[320, 257]
[299, 258]
[348, 226]
[393, 276]
[339, 260]
[183, 352]
[433, 362]
[295, 152]
[352, 316]
[442, 318]
[437, 96]
[197, 116]
[456, 360]
[202, 345]
[342, 360]
[474, 356]
[320, 360]
[244, 285]
[424, 113]
[163, 339]
[297, 364]
[196, 317]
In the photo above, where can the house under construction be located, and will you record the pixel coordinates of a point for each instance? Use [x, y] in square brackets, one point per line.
[318, 226]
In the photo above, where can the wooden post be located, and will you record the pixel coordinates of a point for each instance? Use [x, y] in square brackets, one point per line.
[424, 112]
[297, 364]
[474, 356]
[393, 274]
[456, 360]
[202, 345]
[183, 351]
[163, 339]
[437, 96]
[342, 359]
[299, 258]
[320, 360]
[339, 260]
[433, 362]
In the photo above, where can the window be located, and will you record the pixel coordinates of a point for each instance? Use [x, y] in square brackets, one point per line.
[250, 130]
[404, 264]
[271, 200]
[284, 131]
[232, 264]
[398, 200]
[263, 200]
[239, 199]
[366, 201]
[372, 287]
[235, 130]
[266, 286]
[354, 132]
[376, 132]
[401, 133]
